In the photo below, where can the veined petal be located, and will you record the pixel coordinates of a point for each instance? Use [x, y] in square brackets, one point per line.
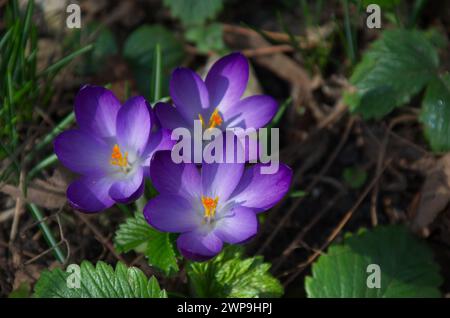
[241, 225]
[199, 246]
[220, 179]
[83, 153]
[90, 194]
[260, 192]
[171, 213]
[133, 125]
[254, 111]
[168, 177]
[159, 140]
[189, 94]
[96, 111]
[227, 80]
[128, 189]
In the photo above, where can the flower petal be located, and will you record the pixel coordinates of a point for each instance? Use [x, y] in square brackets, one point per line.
[170, 118]
[199, 246]
[90, 194]
[220, 179]
[83, 153]
[259, 191]
[254, 111]
[129, 189]
[159, 140]
[96, 110]
[239, 227]
[227, 80]
[189, 94]
[133, 125]
[171, 213]
[168, 177]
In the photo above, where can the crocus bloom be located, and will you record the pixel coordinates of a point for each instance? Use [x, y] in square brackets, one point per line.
[216, 102]
[218, 204]
[111, 149]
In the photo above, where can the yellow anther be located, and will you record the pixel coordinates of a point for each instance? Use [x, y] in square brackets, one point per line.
[209, 206]
[214, 121]
[117, 159]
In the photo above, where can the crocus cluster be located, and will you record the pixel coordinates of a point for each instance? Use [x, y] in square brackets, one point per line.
[115, 147]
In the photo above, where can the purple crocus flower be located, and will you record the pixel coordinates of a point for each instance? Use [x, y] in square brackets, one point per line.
[216, 102]
[111, 149]
[218, 204]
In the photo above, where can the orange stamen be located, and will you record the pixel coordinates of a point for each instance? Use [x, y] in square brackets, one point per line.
[117, 159]
[209, 206]
[214, 121]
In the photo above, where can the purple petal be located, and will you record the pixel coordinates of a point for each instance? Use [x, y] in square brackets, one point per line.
[171, 213]
[168, 177]
[254, 111]
[199, 246]
[133, 125]
[96, 111]
[227, 80]
[89, 194]
[129, 189]
[189, 94]
[259, 191]
[242, 225]
[83, 153]
[170, 118]
[159, 140]
[220, 179]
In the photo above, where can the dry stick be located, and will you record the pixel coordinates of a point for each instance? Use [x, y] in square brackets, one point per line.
[305, 230]
[299, 268]
[100, 237]
[382, 154]
[313, 183]
[18, 209]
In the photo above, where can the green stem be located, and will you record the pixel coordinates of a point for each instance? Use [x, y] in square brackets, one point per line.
[37, 215]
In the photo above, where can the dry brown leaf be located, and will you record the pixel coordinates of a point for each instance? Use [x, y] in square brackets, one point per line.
[39, 192]
[435, 195]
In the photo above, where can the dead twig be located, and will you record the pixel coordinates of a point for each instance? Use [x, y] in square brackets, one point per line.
[347, 216]
[99, 236]
[322, 172]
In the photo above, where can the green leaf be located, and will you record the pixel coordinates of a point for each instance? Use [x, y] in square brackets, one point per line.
[194, 11]
[406, 267]
[395, 68]
[230, 275]
[101, 281]
[23, 291]
[354, 177]
[136, 234]
[139, 51]
[435, 114]
[206, 38]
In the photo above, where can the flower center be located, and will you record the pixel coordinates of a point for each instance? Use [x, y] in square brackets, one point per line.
[209, 207]
[214, 121]
[117, 159]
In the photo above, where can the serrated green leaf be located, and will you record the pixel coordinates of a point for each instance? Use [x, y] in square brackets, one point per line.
[406, 267]
[139, 51]
[136, 234]
[194, 11]
[230, 275]
[435, 114]
[206, 38]
[394, 69]
[101, 281]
